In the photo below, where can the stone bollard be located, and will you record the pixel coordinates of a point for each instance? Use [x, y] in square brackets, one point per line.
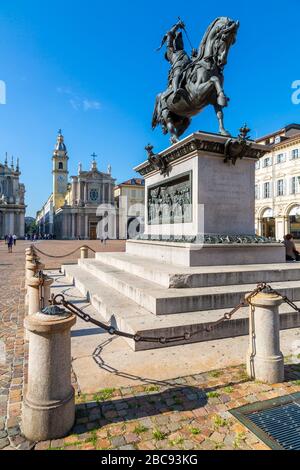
[32, 268]
[49, 403]
[264, 359]
[37, 285]
[84, 251]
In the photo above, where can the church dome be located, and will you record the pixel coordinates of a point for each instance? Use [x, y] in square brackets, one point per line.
[60, 145]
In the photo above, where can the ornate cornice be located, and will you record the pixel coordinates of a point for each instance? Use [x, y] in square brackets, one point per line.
[206, 143]
[211, 239]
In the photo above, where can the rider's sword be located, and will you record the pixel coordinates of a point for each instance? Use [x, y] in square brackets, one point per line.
[186, 33]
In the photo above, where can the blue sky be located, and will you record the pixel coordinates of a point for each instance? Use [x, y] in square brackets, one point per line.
[91, 69]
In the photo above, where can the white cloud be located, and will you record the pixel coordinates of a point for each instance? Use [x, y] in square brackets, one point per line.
[78, 103]
[75, 104]
[64, 90]
[87, 104]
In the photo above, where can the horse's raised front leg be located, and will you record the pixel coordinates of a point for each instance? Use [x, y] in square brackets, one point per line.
[222, 99]
[220, 116]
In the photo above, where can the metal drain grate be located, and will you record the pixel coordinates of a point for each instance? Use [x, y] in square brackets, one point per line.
[281, 423]
[275, 422]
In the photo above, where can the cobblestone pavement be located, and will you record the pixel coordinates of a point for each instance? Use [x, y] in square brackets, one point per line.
[12, 346]
[189, 413]
[13, 349]
[185, 413]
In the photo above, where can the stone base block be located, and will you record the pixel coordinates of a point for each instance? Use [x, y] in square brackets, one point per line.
[189, 254]
[48, 421]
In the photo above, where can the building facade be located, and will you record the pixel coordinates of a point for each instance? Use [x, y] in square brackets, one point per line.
[277, 185]
[130, 207]
[75, 207]
[12, 201]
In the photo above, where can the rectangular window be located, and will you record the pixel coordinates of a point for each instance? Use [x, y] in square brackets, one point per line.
[256, 191]
[267, 162]
[280, 158]
[280, 188]
[257, 165]
[295, 184]
[295, 154]
[267, 192]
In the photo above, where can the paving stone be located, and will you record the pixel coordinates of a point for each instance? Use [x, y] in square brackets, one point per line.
[131, 438]
[4, 443]
[118, 441]
[3, 434]
[13, 431]
[42, 446]
[103, 444]
[217, 437]
[57, 443]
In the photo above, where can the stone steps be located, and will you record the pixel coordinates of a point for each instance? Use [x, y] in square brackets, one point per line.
[161, 301]
[126, 315]
[172, 276]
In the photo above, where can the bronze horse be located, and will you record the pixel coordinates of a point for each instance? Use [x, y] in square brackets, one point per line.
[201, 82]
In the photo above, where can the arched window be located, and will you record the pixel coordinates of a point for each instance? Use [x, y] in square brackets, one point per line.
[60, 166]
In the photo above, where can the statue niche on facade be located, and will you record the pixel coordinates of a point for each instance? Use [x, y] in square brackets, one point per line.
[196, 81]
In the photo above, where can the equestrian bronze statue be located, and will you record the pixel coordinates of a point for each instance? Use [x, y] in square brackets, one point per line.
[194, 81]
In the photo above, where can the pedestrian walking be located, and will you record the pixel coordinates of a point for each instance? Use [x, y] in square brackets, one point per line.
[10, 242]
[15, 239]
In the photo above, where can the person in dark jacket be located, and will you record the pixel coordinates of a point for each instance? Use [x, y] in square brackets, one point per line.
[10, 242]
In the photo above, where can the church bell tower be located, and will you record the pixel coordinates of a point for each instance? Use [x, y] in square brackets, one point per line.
[60, 172]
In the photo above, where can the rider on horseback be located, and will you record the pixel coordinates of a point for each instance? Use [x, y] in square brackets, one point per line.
[176, 55]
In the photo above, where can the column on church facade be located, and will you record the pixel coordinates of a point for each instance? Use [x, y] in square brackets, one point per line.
[73, 226]
[73, 193]
[2, 225]
[85, 192]
[80, 225]
[111, 192]
[65, 226]
[80, 190]
[22, 225]
[86, 227]
[11, 223]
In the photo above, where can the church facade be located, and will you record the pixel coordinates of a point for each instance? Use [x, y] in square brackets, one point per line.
[12, 201]
[73, 210]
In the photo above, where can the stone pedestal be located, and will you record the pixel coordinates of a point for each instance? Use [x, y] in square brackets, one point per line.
[264, 360]
[49, 408]
[200, 204]
[195, 254]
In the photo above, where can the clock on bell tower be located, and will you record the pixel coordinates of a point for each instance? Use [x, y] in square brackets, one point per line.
[60, 171]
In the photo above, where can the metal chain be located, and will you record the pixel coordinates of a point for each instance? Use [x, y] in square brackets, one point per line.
[61, 256]
[113, 331]
[284, 298]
